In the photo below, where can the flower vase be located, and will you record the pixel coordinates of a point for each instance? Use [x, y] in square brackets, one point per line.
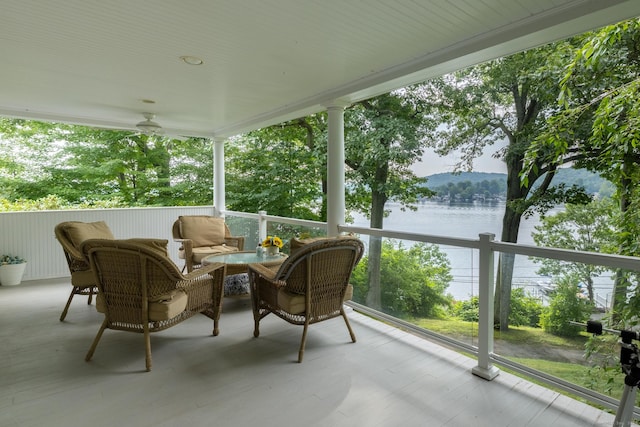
[272, 250]
[11, 274]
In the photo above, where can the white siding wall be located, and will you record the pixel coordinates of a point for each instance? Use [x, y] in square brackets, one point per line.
[30, 234]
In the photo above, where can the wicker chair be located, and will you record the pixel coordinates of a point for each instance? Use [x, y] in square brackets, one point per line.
[142, 290]
[71, 234]
[202, 235]
[309, 287]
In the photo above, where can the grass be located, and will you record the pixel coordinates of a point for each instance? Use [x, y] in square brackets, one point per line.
[520, 335]
[539, 344]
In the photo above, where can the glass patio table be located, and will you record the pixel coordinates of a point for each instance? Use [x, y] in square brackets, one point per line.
[237, 281]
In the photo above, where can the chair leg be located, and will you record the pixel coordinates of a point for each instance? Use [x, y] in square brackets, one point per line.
[90, 296]
[346, 320]
[95, 341]
[147, 344]
[303, 342]
[66, 307]
[216, 327]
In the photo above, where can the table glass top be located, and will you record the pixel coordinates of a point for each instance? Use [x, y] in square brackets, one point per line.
[243, 258]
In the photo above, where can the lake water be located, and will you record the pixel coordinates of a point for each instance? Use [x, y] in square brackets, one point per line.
[468, 220]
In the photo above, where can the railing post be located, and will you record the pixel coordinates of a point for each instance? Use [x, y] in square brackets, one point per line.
[262, 225]
[485, 301]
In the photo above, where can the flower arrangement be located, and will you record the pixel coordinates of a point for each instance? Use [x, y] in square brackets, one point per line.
[272, 241]
[11, 259]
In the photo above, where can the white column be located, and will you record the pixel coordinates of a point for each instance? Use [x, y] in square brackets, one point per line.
[335, 169]
[218, 177]
[485, 301]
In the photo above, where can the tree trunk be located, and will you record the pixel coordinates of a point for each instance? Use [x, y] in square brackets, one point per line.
[510, 228]
[374, 296]
[620, 283]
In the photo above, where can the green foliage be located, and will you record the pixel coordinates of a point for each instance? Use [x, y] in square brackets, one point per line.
[11, 259]
[468, 310]
[525, 309]
[414, 280]
[56, 203]
[285, 168]
[579, 227]
[384, 136]
[566, 305]
[83, 165]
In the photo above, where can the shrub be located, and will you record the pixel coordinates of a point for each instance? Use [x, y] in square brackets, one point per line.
[413, 279]
[567, 304]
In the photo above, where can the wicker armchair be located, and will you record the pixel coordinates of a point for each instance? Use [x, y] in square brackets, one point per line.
[71, 234]
[309, 287]
[202, 235]
[142, 290]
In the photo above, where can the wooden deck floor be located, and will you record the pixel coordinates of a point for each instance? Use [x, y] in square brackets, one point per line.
[387, 378]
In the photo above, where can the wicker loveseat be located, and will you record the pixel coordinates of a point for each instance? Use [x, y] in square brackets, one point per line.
[200, 236]
[309, 287]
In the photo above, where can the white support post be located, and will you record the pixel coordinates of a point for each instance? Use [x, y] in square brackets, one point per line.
[335, 168]
[485, 301]
[219, 202]
[262, 225]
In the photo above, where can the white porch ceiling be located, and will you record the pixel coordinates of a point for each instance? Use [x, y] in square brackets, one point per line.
[94, 62]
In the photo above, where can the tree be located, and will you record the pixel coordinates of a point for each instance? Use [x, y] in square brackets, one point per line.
[384, 136]
[414, 280]
[579, 227]
[506, 100]
[598, 95]
[85, 165]
[566, 306]
[283, 165]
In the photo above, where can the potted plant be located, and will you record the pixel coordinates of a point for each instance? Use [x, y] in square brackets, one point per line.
[11, 270]
[272, 245]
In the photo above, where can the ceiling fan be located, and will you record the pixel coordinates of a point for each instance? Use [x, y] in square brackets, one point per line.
[148, 126]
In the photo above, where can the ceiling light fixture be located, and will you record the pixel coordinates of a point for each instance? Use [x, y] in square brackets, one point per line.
[191, 60]
[148, 126]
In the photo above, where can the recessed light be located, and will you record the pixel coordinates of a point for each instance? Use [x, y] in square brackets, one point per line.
[192, 60]
[148, 101]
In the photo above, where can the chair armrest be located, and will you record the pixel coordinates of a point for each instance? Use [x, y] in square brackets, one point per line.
[236, 241]
[265, 272]
[205, 269]
[205, 287]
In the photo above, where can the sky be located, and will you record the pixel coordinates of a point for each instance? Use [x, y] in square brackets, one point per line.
[432, 163]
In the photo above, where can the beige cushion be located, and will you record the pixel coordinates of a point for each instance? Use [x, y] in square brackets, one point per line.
[168, 306]
[163, 307]
[78, 232]
[205, 251]
[294, 303]
[203, 230]
[159, 245]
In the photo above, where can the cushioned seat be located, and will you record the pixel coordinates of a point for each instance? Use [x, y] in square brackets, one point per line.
[200, 236]
[310, 286]
[142, 290]
[71, 235]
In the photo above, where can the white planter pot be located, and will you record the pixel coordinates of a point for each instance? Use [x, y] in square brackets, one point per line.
[11, 274]
[272, 250]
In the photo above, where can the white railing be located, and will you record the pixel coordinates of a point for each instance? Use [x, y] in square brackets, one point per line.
[30, 235]
[488, 249]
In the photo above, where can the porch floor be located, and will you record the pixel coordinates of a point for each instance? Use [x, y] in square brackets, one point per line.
[388, 378]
